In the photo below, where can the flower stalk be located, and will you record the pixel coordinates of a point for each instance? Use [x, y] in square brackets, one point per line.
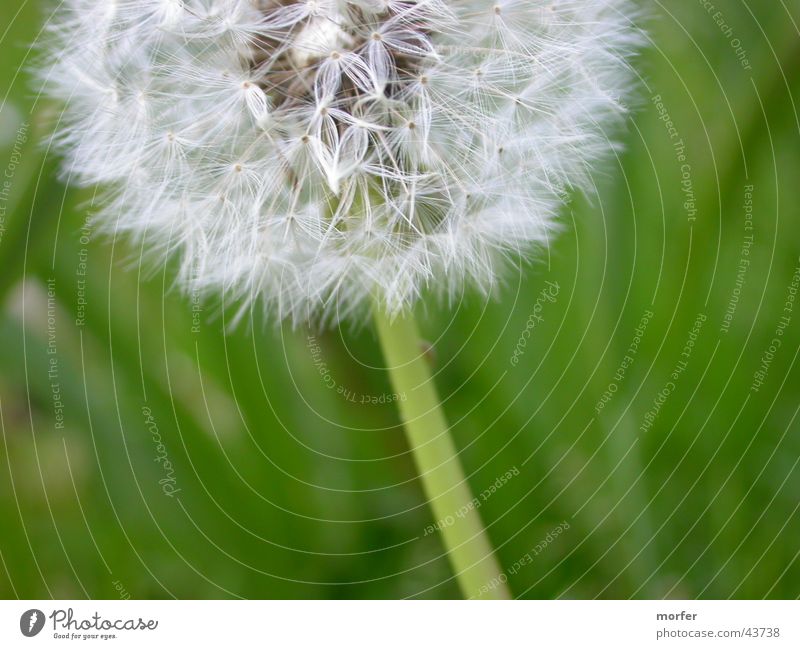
[467, 544]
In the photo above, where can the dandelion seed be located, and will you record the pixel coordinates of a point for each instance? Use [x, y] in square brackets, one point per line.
[379, 147]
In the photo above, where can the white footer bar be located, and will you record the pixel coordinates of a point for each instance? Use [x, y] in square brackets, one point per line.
[389, 624]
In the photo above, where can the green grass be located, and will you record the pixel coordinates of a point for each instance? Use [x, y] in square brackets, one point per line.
[288, 489]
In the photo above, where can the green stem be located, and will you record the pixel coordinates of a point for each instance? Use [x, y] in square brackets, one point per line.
[436, 457]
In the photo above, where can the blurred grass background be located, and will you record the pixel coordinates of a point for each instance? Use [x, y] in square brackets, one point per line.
[289, 489]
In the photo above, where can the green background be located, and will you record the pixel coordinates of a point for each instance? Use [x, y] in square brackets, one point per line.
[288, 489]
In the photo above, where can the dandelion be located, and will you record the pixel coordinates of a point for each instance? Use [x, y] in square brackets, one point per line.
[325, 157]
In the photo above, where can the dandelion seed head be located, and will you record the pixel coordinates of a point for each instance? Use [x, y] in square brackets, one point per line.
[315, 155]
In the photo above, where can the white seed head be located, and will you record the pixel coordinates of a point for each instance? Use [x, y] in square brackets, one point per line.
[316, 154]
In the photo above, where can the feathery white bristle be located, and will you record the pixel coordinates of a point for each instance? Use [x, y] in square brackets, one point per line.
[317, 153]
